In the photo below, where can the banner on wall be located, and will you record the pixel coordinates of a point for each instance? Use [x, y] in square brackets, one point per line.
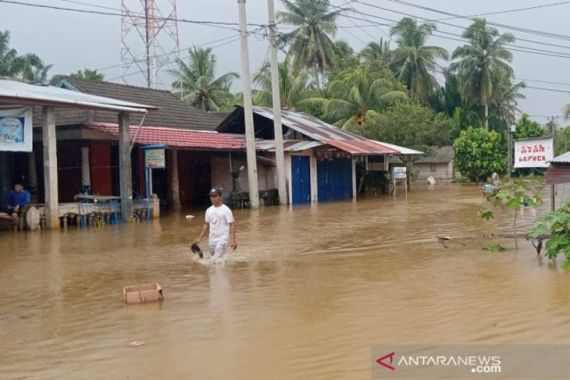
[533, 153]
[16, 129]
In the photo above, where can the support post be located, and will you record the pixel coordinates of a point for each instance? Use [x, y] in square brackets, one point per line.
[509, 150]
[125, 173]
[354, 190]
[32, 176]
[85, 171]
[50, 168]
[277, 126]
[174, 181]
[248, 110]
[553, 186]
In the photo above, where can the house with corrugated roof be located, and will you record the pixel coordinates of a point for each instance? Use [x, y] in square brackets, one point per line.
[323, 162]
[88, 145]
[437, 164]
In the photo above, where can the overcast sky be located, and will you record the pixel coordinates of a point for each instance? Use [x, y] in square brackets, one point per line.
[72, 41]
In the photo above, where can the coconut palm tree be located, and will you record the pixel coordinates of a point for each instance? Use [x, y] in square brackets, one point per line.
[28, 67]
[377, 51]
[31, 68]
[482, 64]
[310, 44]
[197, 84]
[90, 74]
[414, 62]
[7, 55]
[293, 88]
[506, 97]
[356, 95]
[566, 111]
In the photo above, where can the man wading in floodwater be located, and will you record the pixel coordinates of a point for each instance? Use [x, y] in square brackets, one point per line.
[221, 225]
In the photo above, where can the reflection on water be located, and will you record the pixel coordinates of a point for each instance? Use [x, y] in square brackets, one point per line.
[309, 291]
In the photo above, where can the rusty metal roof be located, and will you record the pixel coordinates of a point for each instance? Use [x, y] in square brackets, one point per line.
[288, 145]
[359, 147]
[317, 130]
[309, 125]
[175, 137]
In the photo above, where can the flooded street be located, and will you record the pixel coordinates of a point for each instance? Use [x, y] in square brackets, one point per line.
[311, 289]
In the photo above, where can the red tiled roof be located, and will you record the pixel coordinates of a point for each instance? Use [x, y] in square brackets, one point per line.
[174, 137]
[362, 146]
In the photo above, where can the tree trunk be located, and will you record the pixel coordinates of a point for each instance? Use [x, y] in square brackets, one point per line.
[486, 117]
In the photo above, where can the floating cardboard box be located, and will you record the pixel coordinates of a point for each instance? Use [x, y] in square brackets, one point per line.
[142, 293]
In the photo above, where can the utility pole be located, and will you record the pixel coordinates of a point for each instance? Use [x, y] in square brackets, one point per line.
[553, 186]
[248, 110]
[277, 127]
[510, 130]
[147, 43]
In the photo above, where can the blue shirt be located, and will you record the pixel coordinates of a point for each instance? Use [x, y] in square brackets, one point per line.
[18, 198]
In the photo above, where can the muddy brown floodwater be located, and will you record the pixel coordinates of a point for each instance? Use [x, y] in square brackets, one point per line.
[311, 289]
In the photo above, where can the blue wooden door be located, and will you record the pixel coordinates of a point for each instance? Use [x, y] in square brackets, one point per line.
[301, 179]
[335, 180]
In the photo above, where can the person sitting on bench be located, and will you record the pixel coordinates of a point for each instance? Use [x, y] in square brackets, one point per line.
[17, 200]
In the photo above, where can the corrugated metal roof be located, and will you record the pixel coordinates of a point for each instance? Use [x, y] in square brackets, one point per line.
[562, 159]
[309, 125]
[314, 129]
[175, 137]
[401, 150]
[359, 147]
[320, 131]
[288, 145]
[14, 92]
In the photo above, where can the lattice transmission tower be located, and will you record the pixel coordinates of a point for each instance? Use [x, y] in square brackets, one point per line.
[149, 38]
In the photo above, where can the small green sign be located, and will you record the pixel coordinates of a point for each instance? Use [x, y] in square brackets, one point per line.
[154, 158]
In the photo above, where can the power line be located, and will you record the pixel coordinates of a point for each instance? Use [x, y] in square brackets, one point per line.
[505, 26]
[459, 38]
[219, 24]
[233, 36]
[542, 43]
[549, 89]
[183, 57]
[360, 54]
[507, 11]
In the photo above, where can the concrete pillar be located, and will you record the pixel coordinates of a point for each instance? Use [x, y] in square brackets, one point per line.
[85, 170]
[50, 168]
[174, 181]
[125, 172]
[314, 178]
[354, 189]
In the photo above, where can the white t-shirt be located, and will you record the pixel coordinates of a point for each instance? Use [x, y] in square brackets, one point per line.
[219, 219]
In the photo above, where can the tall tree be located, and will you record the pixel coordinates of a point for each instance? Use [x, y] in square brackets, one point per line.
[293, 88]
[357, 94]
[7, 55]
[90, 74]
[197, 83]
[31, 68]
[482, 63]
[506, 99]
[377, 51]
[311, 44]
[28, 67]
[413, 61]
